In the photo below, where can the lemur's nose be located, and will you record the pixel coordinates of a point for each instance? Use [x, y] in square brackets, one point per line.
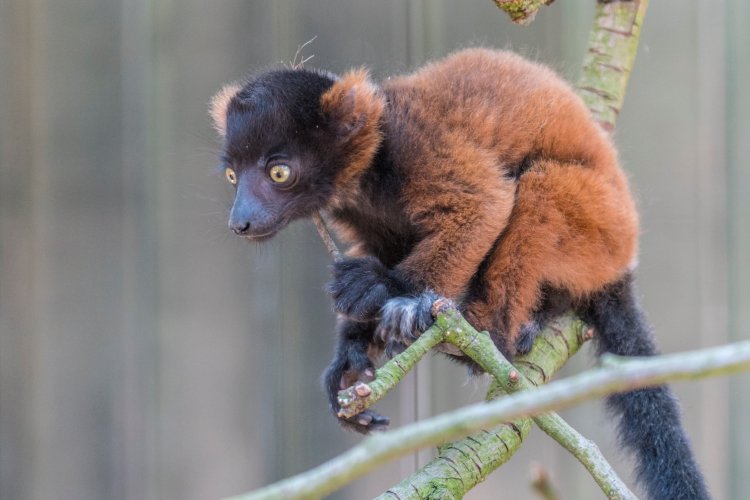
[239, 227]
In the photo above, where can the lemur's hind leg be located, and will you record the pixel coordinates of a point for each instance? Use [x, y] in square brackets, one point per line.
[568, 231]
[553, 304]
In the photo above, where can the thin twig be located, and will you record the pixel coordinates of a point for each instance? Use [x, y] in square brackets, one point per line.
[325, 235]
[587, 453]
[389, 375]
[297, 65]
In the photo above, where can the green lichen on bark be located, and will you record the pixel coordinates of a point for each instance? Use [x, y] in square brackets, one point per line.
[521, 11]
[509, 380]
[390, 374]
[612, 47]
[463, 464]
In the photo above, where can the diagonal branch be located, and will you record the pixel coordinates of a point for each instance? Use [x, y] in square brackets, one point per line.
[511, 381]
[354, 400]
[551, 350]
[612, 47]
[461, 465]
[508, 379]
[451, 327]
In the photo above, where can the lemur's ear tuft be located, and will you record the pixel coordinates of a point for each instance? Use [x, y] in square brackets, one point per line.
[352, 103]
[219, 105]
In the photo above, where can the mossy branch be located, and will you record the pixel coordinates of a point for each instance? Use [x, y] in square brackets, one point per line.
[551, 350]
[612, 47]
[511, 381]
[461, 465]
[452, 328]
[521, 11]
[486, 456]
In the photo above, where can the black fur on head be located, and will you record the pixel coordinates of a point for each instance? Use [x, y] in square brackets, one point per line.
[320, 129]
[275, 121]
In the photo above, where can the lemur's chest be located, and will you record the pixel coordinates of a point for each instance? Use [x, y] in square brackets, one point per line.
[383, 231]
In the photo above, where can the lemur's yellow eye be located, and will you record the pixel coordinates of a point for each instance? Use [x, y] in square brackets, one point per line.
[280, 173]
[231, 175]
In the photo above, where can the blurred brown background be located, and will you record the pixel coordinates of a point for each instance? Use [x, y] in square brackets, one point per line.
[145, 353]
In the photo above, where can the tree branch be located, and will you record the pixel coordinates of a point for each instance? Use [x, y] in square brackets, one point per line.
[615, 375]
[325, 235]
[479, 347]
[453, 328]
[461, 465]
[612, 47]
[521, 11]
[586, 452]
[354, 400]
[552, 424]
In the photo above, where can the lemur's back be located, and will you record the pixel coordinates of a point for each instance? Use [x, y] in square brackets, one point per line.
[499, 101]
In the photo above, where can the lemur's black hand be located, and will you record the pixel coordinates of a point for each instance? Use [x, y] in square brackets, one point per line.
[360, 287]
[364, 289]
[351, 364]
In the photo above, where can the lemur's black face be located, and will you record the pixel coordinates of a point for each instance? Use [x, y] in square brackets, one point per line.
[277, 151]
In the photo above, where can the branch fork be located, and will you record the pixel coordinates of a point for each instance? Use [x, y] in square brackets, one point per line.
[451, 327]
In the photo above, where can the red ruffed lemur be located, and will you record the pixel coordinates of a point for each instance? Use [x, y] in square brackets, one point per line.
[482, 178]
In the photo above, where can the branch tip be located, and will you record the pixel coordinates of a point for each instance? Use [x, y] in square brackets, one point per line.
[441, 305]
[363, 390]
[587, 334]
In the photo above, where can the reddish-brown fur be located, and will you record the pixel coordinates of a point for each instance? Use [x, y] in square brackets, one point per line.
[463, 126]
[353, 102]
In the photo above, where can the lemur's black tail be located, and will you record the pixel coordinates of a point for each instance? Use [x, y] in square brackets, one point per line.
[649, 423]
